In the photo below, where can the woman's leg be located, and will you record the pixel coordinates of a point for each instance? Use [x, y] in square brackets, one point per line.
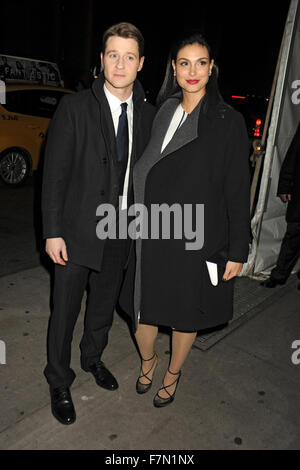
[145, 337]
[181, 346]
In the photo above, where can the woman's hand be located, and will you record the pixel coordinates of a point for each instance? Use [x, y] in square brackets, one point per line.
[232, 270]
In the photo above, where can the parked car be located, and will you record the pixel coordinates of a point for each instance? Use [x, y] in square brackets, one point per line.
[24, 121]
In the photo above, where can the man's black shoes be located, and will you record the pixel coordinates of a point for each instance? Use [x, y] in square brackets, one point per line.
[103, 377]
[62, 405]
[61, 400]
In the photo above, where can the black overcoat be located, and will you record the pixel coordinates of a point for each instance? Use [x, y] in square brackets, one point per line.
[206, 165]
[289, 179]
[81, 169]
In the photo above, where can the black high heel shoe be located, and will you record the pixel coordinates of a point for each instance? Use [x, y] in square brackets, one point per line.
[159, 401]
[143, 388]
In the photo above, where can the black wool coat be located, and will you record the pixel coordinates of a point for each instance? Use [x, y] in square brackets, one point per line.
[81, 169]
[206, 162]
[289, 179]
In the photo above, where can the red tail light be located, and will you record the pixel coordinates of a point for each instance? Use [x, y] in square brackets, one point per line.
[257, 128]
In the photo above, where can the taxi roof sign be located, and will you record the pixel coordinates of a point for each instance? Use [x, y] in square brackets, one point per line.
[16, 69]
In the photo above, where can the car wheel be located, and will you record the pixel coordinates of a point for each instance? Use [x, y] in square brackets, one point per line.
[14, 166]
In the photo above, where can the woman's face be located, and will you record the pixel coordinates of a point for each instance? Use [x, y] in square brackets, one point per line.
[192, 68]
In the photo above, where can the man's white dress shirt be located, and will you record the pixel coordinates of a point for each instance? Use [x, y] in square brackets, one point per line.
[115, 108]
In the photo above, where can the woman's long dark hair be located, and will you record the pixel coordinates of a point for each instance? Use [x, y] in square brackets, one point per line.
[170, 85]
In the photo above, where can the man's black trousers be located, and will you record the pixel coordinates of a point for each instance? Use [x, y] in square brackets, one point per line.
[103, 289]
[289, 253]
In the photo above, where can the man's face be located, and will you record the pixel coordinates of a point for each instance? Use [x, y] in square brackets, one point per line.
[121, 62]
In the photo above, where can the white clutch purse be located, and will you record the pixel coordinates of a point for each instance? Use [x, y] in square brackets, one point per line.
[213, 272]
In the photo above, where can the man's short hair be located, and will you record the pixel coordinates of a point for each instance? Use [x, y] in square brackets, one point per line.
[124, 30]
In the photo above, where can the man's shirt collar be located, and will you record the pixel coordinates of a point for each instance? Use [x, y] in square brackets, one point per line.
[114, 102]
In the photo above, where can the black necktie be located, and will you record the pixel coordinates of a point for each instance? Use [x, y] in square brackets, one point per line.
[122, 136]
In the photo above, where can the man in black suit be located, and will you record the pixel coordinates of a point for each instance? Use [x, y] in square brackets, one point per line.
[289, 192]
[94, 139]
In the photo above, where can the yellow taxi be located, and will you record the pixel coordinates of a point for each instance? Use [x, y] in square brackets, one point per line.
[24, 121]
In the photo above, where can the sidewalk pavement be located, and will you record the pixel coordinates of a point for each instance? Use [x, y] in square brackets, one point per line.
[242, 393]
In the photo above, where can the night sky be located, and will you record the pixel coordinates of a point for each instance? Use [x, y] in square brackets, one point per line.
[245, 36]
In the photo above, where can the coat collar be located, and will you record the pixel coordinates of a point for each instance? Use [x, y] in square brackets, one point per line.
[210, 108]
[185, 134]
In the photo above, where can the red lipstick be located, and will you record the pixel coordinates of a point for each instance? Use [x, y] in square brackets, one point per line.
[193, 82]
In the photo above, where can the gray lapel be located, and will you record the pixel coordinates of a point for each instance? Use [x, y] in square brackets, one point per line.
[152, 152]
[185, 134]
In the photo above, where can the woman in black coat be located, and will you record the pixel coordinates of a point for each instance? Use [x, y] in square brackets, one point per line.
[197, 157]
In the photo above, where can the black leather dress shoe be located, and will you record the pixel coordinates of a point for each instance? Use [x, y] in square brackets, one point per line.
[272, 283]
[103, 377]
[62, 405]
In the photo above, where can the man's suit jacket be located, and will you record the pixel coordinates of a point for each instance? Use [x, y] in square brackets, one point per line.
[81, 169]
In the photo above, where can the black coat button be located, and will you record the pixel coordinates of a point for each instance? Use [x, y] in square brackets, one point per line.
[102, 192]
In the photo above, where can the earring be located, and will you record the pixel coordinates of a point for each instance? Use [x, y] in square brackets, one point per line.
[209, 74]
[174, 74]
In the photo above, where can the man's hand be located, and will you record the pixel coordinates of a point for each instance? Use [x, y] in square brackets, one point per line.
[285, 197]
[232, 270]
[57, 250]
